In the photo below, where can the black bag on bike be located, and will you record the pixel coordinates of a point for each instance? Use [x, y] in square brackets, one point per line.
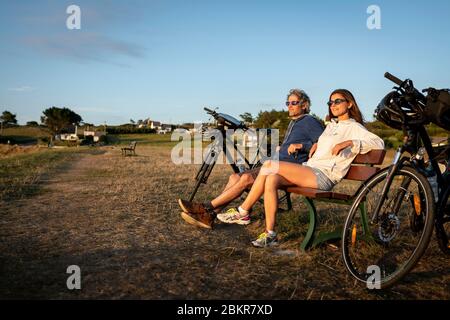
[438, 107]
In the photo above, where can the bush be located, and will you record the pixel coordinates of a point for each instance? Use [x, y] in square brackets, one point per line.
[88, 140]
[126, 129]
[43, 140]
[103, 139]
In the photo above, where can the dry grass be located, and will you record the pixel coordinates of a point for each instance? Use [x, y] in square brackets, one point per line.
[117, 218]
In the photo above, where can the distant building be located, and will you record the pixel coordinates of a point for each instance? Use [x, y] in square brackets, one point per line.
[95, 134]
[79, 132]
[155, 125]
[67, 137]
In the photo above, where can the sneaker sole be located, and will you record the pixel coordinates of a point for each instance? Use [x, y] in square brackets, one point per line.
[182, 207]
[194, 222]
[260, 246]
[241, 222]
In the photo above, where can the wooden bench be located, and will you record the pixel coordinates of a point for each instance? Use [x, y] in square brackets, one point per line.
[130, 149]
[360, 170]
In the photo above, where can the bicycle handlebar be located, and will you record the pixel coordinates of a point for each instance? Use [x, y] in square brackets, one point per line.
[209, 111]
[407, 85]
[393, 78]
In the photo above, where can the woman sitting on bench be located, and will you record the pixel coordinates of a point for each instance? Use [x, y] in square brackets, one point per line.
[330, 158]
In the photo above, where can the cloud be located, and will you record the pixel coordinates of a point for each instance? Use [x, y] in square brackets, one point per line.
[85, 46]
[21, 89]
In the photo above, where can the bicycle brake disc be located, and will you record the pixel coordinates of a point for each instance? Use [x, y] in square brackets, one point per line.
[388, 228]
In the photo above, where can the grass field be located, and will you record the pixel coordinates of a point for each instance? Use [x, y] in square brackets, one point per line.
[24, 134]
[117, 218]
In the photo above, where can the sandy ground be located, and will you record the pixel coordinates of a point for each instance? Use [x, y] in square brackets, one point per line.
[117, 219]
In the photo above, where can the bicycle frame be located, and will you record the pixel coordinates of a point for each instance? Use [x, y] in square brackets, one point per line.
[410, 145]
[211, 159]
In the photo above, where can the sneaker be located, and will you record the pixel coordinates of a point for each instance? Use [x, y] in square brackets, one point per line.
[191, 207]
[204, 220]
[265, 240]
[234, 216]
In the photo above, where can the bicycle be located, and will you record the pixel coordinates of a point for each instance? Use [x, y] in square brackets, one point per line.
[400, 203]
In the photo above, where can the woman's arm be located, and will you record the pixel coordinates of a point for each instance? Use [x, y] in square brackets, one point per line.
[365, 141]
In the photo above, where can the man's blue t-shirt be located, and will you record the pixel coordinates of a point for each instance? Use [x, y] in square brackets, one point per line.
[305, 130]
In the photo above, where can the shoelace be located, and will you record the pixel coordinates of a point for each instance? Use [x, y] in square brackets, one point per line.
[262, 235]
[236, 214]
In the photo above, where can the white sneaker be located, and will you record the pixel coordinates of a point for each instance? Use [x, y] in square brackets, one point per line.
[234, 216]
[265, 240]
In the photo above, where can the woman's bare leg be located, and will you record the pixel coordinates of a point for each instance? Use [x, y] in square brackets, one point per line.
[257, 190]
[273, 183]
[255, 193]
[289, 174]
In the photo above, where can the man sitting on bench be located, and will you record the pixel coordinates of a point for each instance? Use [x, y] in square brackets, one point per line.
[343, 139]
[303, 131]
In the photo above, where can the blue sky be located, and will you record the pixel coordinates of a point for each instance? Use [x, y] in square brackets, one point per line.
[168, 59]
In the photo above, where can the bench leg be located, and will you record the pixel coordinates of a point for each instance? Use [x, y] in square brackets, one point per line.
[312, 224]
[288, 201]
[327, 236]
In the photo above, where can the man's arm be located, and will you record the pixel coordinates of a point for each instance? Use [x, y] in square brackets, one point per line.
[314, 130]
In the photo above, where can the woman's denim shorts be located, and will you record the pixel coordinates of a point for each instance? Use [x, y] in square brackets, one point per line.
[323, 182]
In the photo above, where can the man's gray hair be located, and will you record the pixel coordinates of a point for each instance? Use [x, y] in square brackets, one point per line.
[302, 96]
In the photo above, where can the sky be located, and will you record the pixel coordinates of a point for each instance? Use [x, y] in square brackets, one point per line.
[166, 60]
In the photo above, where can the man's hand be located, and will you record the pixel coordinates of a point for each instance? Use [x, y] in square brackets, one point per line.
[294, 147]
[313, 149]
[277, 149]
[341, 146]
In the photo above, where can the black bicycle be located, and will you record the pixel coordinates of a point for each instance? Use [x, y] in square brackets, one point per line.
[401, 206]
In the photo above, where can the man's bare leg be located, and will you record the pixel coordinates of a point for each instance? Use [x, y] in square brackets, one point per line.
[235, 187]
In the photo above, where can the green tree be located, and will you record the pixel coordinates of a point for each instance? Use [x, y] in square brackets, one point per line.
[247, 117]
[8, 118]
[32, 124]
[57, 119]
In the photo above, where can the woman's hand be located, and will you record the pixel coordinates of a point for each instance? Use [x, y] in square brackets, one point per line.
[313, 149]
[341, 146]
[294, 147]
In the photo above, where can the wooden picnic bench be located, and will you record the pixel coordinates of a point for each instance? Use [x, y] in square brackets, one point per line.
[361, 169]
[130, 149]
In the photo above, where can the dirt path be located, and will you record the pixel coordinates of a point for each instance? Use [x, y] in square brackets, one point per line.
[117, 218]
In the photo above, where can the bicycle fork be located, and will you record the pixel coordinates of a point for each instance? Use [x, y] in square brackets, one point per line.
[396, 163]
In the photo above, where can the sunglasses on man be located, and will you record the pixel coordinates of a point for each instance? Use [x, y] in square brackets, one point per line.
[294, 103]
[336, 102]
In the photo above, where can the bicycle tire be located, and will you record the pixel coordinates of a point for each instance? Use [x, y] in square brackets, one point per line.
[348, 235]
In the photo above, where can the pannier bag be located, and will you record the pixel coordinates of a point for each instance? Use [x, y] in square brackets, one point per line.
[438, 107]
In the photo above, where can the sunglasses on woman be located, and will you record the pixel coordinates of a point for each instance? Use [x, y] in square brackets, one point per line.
[294, 103]
[336, 102]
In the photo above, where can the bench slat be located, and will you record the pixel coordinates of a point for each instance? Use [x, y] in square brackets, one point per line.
[360, 173]
[316, 193]
[372, 157]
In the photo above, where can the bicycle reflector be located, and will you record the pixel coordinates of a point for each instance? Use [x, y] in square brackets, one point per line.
[354, 235]
[417, 205]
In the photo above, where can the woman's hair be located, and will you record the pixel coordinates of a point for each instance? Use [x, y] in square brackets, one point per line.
[354, 111]
[302, 96]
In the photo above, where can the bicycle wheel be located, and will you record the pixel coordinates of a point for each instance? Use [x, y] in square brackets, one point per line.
[443, 222]
[396, 241]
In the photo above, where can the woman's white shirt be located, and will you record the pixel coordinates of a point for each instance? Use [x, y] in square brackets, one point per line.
[336, 167]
